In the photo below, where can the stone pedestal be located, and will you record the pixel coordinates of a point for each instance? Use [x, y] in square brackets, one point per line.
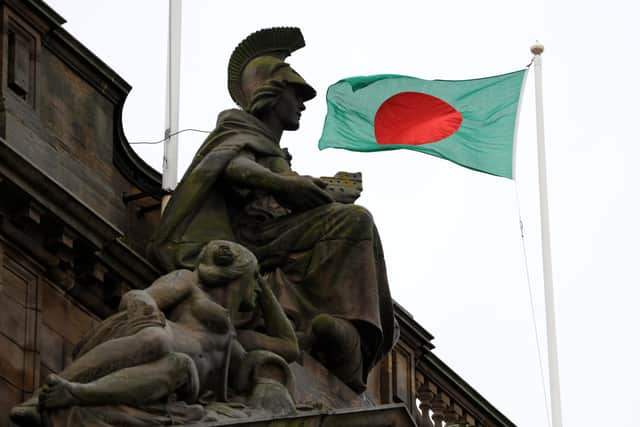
[395, 415]
[318, 388]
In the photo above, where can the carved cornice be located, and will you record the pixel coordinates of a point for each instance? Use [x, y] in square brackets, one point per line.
[86, 64]
[57, 199]
[111, 85]
[80, 250]
[100, 76]
[411, 331]
[136, 170]
[40, 14]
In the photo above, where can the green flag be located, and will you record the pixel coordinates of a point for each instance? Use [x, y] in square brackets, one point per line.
[469, 122]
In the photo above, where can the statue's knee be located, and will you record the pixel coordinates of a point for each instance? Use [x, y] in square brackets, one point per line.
[180, 363]
[361, 218]
[154, 340]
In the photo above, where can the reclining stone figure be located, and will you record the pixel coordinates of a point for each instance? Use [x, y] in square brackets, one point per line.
[173, 344]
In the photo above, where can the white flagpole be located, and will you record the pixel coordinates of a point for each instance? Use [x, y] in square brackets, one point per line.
[170, 160]
[552, 350]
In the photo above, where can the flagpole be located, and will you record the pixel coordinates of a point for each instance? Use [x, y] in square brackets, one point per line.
[170, 159]
[552, 350]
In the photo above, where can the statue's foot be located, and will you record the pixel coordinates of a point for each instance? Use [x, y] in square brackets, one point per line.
[57, 393]
[26, 414]
[337, 346]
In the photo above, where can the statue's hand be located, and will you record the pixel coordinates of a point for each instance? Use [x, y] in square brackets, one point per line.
[264, 295]
[301, 193]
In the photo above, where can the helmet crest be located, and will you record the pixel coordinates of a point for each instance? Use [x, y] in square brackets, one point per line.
[272, 45]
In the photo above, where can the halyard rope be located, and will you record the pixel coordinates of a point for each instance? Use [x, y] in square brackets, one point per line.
[533, 312]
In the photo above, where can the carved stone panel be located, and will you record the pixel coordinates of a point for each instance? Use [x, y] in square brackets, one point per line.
[63, 317]
[403, 380]
[20, 359]
[39, 324]
[21, 46]
[10, 395]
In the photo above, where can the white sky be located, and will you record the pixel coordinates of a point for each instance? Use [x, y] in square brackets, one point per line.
[451, 235]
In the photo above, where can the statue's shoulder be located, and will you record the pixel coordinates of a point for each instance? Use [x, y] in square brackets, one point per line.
[234, 118]
[180, 275]
[236, 130]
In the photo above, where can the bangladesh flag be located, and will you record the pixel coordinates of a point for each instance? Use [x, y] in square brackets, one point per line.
[469, 122]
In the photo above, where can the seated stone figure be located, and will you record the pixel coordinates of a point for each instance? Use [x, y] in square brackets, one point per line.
[320, 253]
[176, 339]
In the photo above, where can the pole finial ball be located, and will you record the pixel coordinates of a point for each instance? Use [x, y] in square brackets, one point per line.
[537, 48]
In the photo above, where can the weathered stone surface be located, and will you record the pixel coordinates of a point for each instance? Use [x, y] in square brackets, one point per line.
[13, 320]
[53, 344]
[63, 315]
[10, 395]
[172, 342]
[316, 387]
[13, 362]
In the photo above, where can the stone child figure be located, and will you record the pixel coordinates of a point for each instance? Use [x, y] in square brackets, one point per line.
[173, 338]
[322, 258]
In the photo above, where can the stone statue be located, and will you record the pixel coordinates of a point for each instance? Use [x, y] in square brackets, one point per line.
[320, 253]
[172, 348]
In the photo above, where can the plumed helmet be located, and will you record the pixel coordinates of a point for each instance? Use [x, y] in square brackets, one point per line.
[257, 65]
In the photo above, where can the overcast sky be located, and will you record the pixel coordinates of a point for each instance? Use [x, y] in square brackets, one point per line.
[451, 235]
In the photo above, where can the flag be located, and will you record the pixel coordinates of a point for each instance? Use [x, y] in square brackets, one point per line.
[469, 122]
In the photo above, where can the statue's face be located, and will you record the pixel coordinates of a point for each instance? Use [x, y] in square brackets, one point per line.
[289, 108]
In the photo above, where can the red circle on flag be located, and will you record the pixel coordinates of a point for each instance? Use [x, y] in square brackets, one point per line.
[413, 118]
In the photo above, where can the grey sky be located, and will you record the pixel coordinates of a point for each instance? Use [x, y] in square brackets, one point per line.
[451, 235]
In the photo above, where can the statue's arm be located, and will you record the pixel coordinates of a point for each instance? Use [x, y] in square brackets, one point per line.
[172, 288]
[293, 191]
[165, 292]
[245, 171]
[280, 337]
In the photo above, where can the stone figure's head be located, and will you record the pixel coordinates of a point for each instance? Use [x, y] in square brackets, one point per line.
[224, 263]
[257, 73]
